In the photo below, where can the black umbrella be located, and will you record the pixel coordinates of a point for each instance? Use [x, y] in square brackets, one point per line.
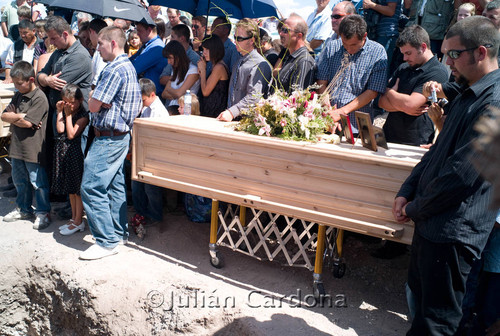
[118, 9]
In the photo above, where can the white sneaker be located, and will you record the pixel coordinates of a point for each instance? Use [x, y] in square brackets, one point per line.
[16, 215]
[42, 221]
[97, 252]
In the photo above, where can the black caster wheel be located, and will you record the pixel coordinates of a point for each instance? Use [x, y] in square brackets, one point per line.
[319, 291]
[339, 270]
[217, 261]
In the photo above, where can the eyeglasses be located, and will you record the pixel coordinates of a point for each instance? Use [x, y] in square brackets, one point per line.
[196, 26]
[286, 30]
[337, 16]
[454, 54]
[241, 38]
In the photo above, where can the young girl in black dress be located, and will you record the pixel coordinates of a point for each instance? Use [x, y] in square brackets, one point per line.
[72, 118]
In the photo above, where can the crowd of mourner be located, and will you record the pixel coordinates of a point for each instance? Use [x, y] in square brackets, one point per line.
[430, 68]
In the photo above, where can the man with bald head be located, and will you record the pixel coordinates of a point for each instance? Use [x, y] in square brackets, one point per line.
[124, 25]
[298, 67]
[339, 12]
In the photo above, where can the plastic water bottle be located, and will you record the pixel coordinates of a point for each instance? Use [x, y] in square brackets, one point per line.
[187, 103]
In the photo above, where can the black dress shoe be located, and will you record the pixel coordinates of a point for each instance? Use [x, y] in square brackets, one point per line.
[10, 193]
[6, 187]
[390, 250]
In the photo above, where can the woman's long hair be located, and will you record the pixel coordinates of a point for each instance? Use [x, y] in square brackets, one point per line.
[215, 46]
[181, 61]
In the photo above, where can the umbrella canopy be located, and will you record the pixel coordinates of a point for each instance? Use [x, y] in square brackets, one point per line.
[119, 9]
[235, 9]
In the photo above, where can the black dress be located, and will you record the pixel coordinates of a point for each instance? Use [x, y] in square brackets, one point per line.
[216, 101]
[68, 161]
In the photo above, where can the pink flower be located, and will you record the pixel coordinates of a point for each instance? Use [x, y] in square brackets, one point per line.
[266, 129]
[309, 113]
[312, 95]
[283, 123]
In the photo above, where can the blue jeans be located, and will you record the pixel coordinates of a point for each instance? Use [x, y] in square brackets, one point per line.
[148, 200]
[103, 189]
[29, 177]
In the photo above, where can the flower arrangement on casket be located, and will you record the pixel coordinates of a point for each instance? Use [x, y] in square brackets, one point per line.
[302, 115]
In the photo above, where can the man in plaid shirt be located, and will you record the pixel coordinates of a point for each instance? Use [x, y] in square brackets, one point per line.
[359, 67]
[114, 104]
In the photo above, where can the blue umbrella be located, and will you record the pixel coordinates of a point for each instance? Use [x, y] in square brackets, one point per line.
[119, 9]
[235, 9]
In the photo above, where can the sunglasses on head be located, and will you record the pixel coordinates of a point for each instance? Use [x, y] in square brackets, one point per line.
[454, 54]
[241, 38]
[337, 16]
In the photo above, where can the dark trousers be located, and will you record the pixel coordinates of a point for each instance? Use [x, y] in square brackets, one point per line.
[488, 304]
[437, 276]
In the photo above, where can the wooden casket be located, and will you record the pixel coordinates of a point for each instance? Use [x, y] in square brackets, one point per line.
[344, 186]
[6, 93]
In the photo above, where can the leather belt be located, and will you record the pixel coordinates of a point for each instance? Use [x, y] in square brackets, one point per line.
[102, 133]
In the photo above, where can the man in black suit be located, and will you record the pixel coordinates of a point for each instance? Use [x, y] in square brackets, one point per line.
[444, 195]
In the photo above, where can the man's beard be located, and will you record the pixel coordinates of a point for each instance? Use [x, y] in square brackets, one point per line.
[415, 66]
[461, 80]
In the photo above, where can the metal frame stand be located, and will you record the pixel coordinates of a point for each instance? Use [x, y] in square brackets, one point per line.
[294, 244]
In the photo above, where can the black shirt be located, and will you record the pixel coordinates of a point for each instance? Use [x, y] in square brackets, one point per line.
[272, 56]
[401, 127]
[449, 199]
[75, 65]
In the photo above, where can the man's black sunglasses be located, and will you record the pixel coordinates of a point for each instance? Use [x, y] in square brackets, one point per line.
[286, 30]
[241, 38]
[337, 16]
[454, 54]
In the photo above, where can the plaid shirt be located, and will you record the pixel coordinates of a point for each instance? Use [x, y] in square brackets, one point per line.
[366, 70]
[118, 86]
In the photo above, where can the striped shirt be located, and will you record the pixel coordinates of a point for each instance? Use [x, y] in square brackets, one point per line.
[365, 70]
[298, 69]
[119, 87]
[448, 198]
